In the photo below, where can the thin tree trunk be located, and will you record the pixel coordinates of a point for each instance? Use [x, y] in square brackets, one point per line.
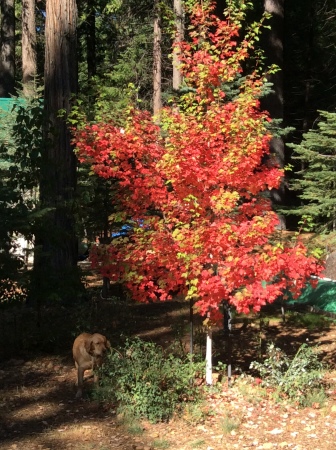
[7, 48]
[157, 101]
[91, 41]
[28, 47]
[179, 24]
[309, 76]
[274, 102]
[90, 37]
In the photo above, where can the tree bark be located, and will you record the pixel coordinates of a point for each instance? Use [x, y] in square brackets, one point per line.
[157, 69]
[91, 41]
[7, 50]
[274, 102]
[28, 47]
[179, 24]
[57, 237]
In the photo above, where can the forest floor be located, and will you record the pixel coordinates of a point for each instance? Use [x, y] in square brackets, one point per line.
[38, 409]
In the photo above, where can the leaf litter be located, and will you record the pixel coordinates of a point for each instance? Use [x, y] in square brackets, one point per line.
[39, 411]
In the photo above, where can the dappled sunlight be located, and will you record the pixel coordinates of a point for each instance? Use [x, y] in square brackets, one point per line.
[39, 411]
[157, 333]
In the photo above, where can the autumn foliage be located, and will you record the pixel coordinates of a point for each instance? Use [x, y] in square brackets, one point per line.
[193, 189]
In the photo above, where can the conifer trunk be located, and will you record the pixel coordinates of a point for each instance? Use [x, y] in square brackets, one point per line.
[7, 48]
[57, 239]
[274, 102]
[91, 41]
[28, 47]
[157, 69]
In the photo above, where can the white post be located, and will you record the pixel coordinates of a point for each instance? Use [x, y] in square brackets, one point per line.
[208, 357]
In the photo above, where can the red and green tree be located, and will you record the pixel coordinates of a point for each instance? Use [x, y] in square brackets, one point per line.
[193, 191]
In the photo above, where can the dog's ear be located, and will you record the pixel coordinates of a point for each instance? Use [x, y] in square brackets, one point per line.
[107, 344]
[88, 344]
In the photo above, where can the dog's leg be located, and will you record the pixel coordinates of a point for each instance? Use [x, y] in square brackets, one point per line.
[95, 366]
[80, 377]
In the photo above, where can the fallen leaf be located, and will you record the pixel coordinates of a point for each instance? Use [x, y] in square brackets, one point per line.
[276, 431]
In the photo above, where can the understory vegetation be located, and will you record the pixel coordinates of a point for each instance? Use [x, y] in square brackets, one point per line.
[144, 381]
[298, 379]
[154, 377]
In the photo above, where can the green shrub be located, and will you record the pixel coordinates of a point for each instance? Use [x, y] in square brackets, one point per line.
[297, 378]
[228, 424]
[311, 321]
[145, 381]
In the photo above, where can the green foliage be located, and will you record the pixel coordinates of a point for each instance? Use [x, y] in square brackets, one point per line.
[20, 156]
[161, 443]
[132, 424]
[229, 424]
[94, 205]
[148, 382]
[130, 69]
[311, 321]
[196, 413]
[199, 443]
[316, 181]
[124, 57]
[296, 379]
[309, 61]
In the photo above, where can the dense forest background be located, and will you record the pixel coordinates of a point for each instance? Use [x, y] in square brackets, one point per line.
[62, 62]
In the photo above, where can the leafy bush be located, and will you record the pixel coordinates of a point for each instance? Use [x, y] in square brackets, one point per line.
[311, 321]
[297, 378]
[146, 381]
[20, 161]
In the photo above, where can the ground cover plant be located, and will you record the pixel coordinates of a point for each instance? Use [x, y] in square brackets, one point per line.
[298, 379]
[310, 320]
[144, 381]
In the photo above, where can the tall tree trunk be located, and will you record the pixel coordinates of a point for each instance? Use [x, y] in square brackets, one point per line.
[90, 37]
[28, 47]
[179, 24]
[312, 19]
[91, 41]
[57, 238]
[274, 102]
[157, 69]
[7, 48]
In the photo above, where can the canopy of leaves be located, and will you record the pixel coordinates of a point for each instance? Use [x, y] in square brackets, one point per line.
[193, 188]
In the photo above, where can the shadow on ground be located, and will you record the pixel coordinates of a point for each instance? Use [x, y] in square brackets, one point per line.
[39, 409]
[37, 376]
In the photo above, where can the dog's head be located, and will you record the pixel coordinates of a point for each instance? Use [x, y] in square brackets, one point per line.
[97, 345]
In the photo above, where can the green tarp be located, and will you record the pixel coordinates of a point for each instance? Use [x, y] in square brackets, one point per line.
[6, 104]
[323, 297]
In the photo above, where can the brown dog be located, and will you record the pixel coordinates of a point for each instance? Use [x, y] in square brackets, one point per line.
[88, 352]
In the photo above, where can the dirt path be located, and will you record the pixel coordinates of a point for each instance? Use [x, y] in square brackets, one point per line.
[39, 411]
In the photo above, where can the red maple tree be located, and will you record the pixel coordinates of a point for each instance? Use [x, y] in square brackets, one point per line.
[193, 188]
